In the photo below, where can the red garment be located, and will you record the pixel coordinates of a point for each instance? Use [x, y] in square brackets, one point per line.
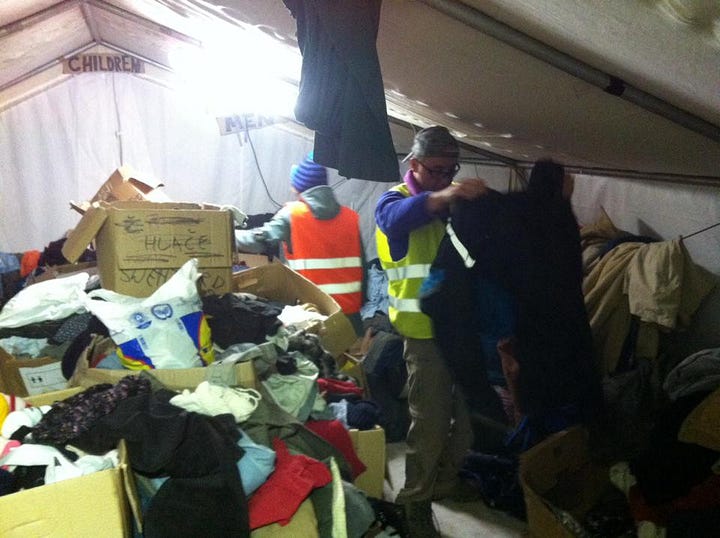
[328, 253]
[704, 495]
[294, 477]
[29, 262]
[335, 433]
[335, 386]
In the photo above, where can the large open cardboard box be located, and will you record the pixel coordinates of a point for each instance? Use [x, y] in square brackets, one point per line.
[277, 282]
[140, 245]
[31, 376]
[558, 472]
[232, 375]
[97, 504]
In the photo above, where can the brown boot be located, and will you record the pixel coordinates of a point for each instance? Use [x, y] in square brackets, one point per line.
[419, 520]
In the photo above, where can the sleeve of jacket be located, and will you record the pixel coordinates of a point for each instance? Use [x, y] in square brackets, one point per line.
[268, 236]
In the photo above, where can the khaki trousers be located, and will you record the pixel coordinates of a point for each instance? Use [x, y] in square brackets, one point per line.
[440, 433]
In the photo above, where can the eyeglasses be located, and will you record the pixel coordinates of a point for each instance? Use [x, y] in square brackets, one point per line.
[441, 172]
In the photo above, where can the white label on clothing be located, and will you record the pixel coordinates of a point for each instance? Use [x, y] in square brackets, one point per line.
[44, 378]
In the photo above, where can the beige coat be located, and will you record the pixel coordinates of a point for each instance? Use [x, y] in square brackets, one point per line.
[657, 282]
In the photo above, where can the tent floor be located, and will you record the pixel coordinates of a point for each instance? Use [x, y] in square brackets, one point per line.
[455, 520]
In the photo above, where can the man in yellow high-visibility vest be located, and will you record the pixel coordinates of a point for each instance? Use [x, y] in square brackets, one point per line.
[410, 225]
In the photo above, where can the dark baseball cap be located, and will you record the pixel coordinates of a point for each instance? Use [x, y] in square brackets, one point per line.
[435, 141]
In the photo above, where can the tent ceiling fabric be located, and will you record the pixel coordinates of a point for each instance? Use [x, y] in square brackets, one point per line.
[439, 69]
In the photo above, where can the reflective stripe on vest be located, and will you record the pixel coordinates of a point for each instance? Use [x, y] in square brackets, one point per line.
[468, 260]
[404, 305]
[336, 289]
[420, 270]
[324, 263]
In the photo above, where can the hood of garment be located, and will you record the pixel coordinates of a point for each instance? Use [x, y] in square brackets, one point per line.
[321, 201]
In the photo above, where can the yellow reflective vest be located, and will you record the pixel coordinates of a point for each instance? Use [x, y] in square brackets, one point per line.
[405, 276]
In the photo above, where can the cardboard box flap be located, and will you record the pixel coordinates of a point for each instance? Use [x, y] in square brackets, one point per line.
[280, 283]
[542, 464]
[337, 334]
[125, 184]
[84, 233]
[49, 398]
[233, 375]
[130, 487]
[370, 447]
[125, 175]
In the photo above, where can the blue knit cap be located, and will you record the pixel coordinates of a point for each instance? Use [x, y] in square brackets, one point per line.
[307, 174]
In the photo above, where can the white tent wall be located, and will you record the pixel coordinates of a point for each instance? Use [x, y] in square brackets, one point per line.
[61, 144]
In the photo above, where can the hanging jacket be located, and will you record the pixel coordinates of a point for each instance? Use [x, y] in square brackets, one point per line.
[341, 94]
[531, 249]
[328, 252]
[406, 275]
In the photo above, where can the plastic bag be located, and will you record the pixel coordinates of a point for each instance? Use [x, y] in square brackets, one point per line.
[166, 330]
[49, 300]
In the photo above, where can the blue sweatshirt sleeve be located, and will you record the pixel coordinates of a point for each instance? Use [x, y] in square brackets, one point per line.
[397, 215]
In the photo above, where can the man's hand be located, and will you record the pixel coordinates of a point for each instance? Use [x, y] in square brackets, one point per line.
[469, 189]
[466, 189]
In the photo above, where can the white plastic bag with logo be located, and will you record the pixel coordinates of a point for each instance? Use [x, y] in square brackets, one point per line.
[166, 330]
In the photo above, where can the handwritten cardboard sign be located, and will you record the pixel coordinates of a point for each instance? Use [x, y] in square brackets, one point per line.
[140, 245]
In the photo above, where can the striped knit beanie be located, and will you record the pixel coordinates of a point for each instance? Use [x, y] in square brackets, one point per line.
[307, 174]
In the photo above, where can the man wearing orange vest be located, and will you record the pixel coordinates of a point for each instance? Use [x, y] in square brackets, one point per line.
[320, 238]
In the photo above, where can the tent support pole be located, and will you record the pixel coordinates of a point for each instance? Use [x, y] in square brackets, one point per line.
[608, 83]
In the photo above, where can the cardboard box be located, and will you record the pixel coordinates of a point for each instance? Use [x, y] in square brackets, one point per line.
[558, 472]
[61, 271]
[125, 184]
[370, 448]
[100, 503]
[277, 282]
[241, 374]
[29, 377]
[254, 260]
[237, 375]
[140, 245]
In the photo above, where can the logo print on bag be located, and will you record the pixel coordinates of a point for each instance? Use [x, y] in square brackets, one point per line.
[140, 320]
[162, 311]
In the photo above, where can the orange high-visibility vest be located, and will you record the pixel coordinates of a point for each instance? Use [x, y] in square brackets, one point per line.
[328, 253]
